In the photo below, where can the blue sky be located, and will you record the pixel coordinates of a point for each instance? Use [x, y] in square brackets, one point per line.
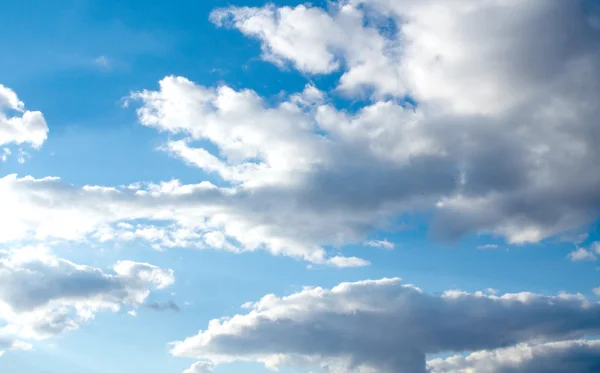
[331, 138]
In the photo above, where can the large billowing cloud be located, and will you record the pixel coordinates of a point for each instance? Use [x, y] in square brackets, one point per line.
[384, 326]
[502, 140]
[42, 296]
[17, 125]
[556, 357]
[506, 95]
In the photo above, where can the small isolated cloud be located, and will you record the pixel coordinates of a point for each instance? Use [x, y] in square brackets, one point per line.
[581, 254]
[489, 246]
[597, 291]
[4, 154]
[17, 125]
[103, 62]
[385, 244]
[348, 262]
[164, 306]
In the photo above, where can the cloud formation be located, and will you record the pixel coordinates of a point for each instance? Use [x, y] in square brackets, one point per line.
[385, 326]
[42, 296]
[500, 137]
[558, 357]
[493, 97]
[17, 125]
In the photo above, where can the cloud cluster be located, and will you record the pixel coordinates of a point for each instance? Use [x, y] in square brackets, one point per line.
[558, 357]
[17, 125]
[385, 326]
[505, 95]
[501, 138]
[42, 296]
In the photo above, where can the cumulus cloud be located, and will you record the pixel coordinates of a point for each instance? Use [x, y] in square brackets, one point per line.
[42, 296]
[502, 138]
[17, 125]
[581, 254]
[511, 112]
[558, 357]
[385, 326]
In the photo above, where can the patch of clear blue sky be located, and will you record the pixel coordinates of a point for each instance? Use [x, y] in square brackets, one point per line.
[49, 58]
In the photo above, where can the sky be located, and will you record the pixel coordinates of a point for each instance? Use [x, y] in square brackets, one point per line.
[345, 186]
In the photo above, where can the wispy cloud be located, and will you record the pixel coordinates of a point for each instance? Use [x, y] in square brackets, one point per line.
[489, 246]
[385, 244]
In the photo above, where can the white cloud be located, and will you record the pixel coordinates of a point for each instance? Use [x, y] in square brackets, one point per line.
[200, 367]
[380, 326]
[42, 296]
[347, 262]
[558, 357]
[6, 152]
[597, 291]
[581, 254]
[384, 244]
[17, 125]
[491, 93]
[497, 147]
[44, 209]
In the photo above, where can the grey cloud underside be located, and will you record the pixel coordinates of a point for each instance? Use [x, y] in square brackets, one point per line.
[386, 326]
[558, 357]
[164, 306]
[42, 296]
[525, 150]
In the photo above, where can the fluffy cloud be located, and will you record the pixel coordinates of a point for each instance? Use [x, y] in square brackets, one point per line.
[557, 357]
[502, 139]
[200, 367]
[384, 326]
[42, 296]
[498, 102]
[200, 216]
[582, 254]
[17, 125]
